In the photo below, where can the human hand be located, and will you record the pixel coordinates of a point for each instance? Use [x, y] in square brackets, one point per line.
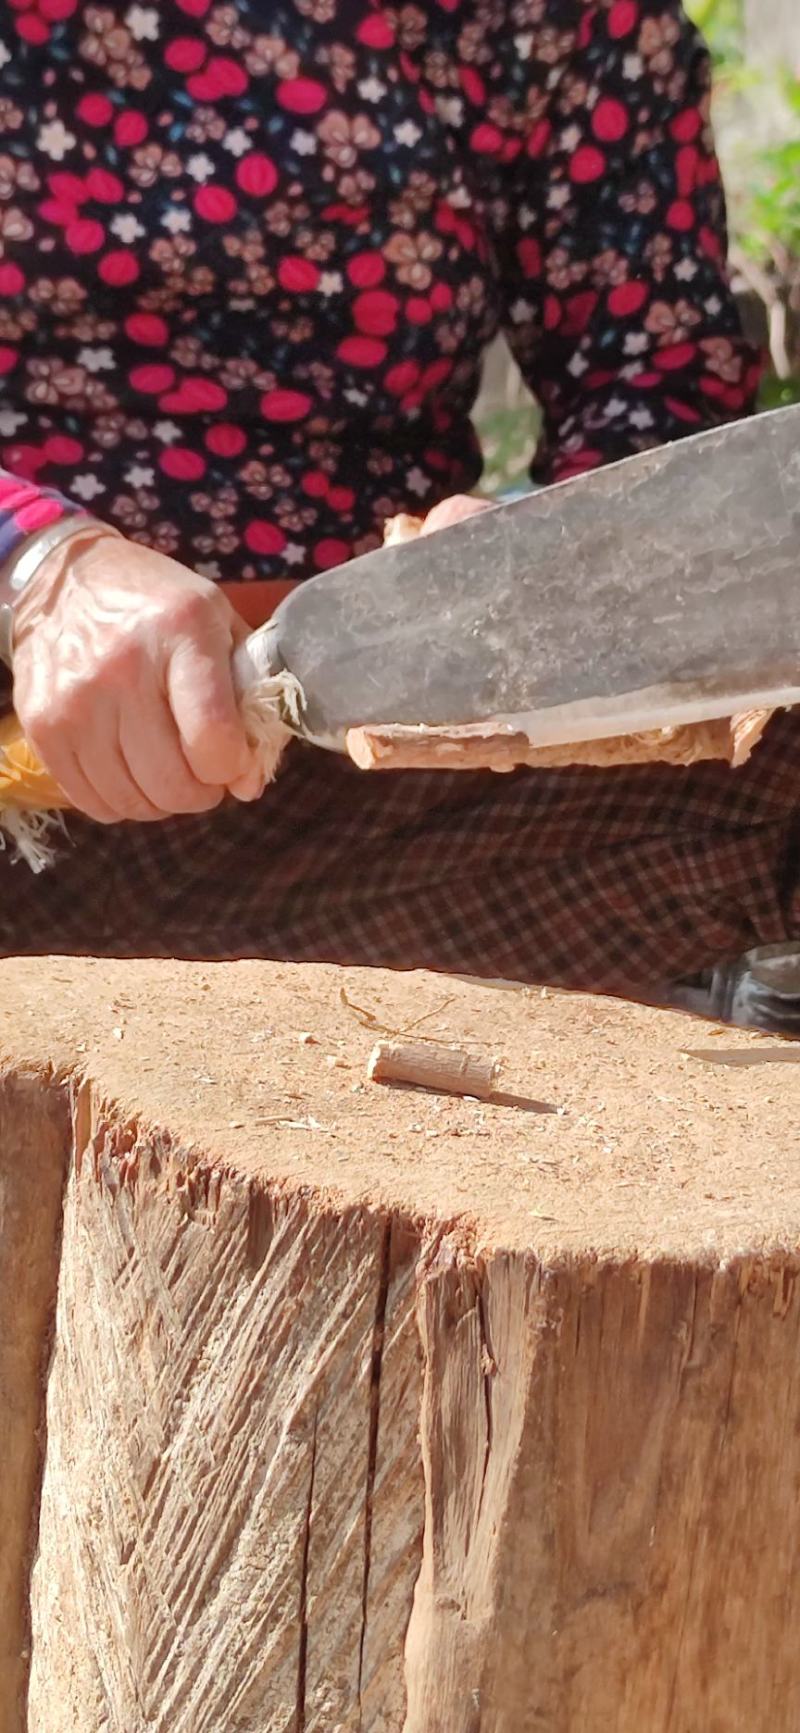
[453, 511]
[123, 685]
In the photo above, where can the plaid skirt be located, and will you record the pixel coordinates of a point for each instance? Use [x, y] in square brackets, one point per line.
[609, 881]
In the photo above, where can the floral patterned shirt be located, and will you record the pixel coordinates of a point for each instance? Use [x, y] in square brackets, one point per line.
[252, 254]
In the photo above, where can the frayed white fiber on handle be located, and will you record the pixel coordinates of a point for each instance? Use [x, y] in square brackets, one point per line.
[264, 707]
[31, 835]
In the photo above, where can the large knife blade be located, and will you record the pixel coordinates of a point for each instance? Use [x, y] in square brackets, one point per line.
[660, 590]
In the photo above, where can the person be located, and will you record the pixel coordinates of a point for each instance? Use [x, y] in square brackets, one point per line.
[253, 256]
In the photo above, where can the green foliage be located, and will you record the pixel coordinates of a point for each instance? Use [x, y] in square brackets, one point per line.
[773, 209]
[722, 25]
[779, 393]
[508, 438]
[764, 186]
[770, 244]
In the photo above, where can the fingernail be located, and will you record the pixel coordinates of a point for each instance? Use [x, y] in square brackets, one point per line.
[248, 788]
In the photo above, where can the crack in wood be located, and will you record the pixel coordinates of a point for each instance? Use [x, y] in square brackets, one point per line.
[376, 1367]
[699, 1534]
[259, 1226]
[487, 1373]
[302, 1611]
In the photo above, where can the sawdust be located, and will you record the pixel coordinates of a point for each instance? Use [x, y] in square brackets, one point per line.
[619, 1131]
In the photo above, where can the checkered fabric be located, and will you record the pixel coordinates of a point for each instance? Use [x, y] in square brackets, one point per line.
[612, 881]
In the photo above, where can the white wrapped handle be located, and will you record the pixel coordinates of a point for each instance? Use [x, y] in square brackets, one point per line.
[253, 661]
[270, 703]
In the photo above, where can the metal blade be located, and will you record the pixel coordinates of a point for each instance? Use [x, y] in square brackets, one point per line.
[658, 590]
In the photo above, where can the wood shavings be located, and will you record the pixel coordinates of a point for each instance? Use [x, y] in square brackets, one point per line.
[308, 1123]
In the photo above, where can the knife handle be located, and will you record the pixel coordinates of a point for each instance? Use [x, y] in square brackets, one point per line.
[254, 660]
[25, 784]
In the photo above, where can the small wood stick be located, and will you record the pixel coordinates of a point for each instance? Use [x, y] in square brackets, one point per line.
[448, 1069]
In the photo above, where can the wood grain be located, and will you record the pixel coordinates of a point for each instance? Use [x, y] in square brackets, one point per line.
[600, 1560]
[247, 1479]
[431, 1065]
[321, 1462]
[205, 1561]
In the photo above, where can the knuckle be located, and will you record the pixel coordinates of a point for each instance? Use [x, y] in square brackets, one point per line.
[118, 662]
[34, 719]
[63, 711]
[190, 610]
[45, 725]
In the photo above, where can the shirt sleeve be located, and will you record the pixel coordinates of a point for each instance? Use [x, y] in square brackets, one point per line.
[610, 237]
[26, 508]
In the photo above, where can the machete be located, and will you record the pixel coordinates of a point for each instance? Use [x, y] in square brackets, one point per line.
[660, 590]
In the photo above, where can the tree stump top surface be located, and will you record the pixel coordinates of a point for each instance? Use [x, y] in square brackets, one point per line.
[617, 1131]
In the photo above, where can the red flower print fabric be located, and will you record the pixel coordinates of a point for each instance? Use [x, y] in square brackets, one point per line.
[252, 255]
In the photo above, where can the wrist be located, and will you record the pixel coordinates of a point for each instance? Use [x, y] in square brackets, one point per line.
[37, 565]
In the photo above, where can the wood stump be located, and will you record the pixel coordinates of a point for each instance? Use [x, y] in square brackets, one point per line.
[332, 1407]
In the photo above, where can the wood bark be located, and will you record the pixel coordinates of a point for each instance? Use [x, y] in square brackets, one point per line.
[403, 747]
[33, 1154]
[318, 1461]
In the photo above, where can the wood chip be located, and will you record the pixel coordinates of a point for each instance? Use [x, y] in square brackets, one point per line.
[450, 1069]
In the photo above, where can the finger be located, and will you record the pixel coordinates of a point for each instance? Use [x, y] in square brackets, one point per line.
[249, 787]
[453, 511]
[57, 735]
[103, 764]
[63, 766]
[200, 694]
[152, 751]
[95, 745]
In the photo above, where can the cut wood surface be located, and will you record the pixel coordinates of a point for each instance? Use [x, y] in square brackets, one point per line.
[401, 746]
[377, 1411]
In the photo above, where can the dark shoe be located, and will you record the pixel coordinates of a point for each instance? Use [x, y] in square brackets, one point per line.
[760, 990]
